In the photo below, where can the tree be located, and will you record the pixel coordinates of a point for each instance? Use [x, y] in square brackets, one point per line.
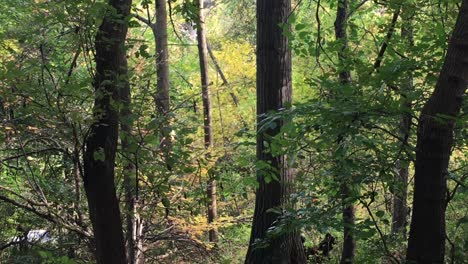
[207, 115]
[101, 144]
[348, 210]
[400, 208]
[162, 98]
[162, 102]
[274, 92]
[162, 57]
[133, 221]
[433, 150]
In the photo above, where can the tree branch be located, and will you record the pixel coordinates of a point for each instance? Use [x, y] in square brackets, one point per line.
[142, 19]
[388, 37]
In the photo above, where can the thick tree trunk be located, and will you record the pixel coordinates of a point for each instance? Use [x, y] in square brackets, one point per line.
[435, 138]
[207, 116]
[274, 91]
[101, 144]
[348, 211]
[400, 193]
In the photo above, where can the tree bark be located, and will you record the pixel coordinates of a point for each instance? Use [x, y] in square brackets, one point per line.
[274, 91]
[207, 116]
[435, 139]
[400, 192]
[77, 169]
[162, 56]
[133, 220]
[162, 97]
[212, 208]
[349, 241]
[101, 144]
[348, 210]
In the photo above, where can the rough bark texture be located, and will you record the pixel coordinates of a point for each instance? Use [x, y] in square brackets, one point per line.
[207, 116]
[274, 91]
[348, 211]
[400, 208]
[435, 138]
[99, 156]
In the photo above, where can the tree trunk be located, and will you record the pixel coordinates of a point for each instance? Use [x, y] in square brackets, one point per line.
[274, 91]
[77, 169]
[101, 144]
[207, 116]
[348, 210]
[162, 56]
[162, 97]
[400, 192]
[212, 208]
[435, 138]
[133, 221]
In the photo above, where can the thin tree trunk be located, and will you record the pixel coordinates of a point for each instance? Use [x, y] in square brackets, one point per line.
[77, 185]
[400, 194]
[162, 56]
[133, 221]
[207, 117]
[162, 97]
[348, 211]
[217, 67]
[212, 208]
[435, 139]
[274, 91]
[101, 144]
[400, 208]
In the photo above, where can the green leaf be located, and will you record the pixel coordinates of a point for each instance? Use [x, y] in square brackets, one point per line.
[166, 202]
[99, 155]
[380, 214]
[300, 27]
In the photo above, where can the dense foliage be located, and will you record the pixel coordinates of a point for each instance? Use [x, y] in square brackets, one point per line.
[334, 133]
